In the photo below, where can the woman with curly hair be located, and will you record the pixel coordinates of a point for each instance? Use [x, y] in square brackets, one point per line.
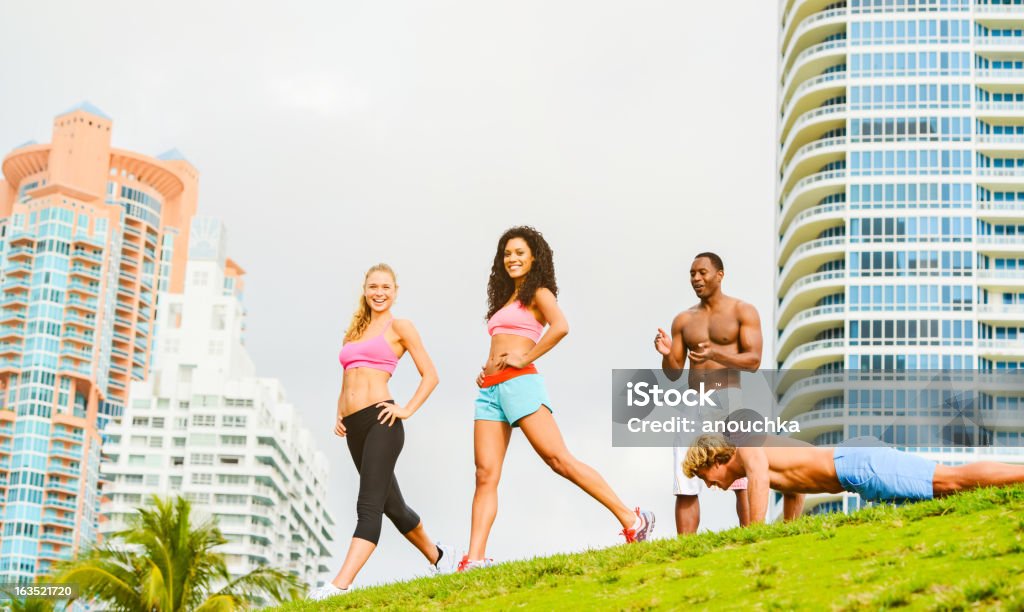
[521, 296]
[371, 422]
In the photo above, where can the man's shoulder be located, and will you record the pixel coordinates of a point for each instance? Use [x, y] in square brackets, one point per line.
[687, 314]
[739, 305]
[748, 453]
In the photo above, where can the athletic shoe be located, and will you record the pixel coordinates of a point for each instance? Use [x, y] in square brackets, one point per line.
[325, 592]
[447, 563]
[465, 565]
[641, 529]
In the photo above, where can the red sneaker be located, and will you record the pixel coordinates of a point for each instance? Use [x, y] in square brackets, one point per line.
[466, 565]
[640, 530]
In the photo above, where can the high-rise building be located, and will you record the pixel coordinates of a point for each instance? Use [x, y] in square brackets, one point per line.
[900, 213]
[90, 234]
[206, 427]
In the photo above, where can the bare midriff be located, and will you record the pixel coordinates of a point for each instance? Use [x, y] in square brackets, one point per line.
[362, 387]
[506, 344]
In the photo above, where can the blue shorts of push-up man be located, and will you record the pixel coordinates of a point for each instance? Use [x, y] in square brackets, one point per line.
[880, 473]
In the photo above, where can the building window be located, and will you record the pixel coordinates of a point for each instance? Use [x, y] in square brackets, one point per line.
[235, 479]
[201, 459]
[185, 373]
[172, 345]
[220, 317]
[233, 420]
[203, 420]
[174, 315]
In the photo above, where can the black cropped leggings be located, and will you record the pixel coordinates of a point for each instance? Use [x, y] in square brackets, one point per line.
[375, 448]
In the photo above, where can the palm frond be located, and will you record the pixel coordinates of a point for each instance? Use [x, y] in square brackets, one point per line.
[97, 579]
[165, 560]
[275, 584]
[25, 605]
[221, 603]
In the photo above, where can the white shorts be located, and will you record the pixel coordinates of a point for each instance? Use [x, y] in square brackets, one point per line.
[692, 486]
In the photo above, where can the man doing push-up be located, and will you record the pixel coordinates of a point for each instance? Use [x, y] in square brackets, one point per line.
[876, 473]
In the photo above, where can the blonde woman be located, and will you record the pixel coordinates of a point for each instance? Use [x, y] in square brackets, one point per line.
[371, 421]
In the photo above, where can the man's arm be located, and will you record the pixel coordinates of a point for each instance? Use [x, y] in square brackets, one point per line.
[673, 363]
[748, 358]
[792, 506]
[755, 462]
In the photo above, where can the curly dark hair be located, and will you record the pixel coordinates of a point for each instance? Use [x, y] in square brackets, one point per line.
[500, 286]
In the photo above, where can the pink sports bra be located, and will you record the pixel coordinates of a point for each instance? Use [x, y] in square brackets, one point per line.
[374, 353]
[517, 320]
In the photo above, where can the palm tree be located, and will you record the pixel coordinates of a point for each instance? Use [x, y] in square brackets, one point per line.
[26, 605]
[164, 563]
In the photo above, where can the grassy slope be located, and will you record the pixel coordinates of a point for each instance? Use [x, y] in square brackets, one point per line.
[955, 553]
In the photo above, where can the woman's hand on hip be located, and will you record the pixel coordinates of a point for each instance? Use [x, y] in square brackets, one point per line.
[515, 360]
[389, 412]
[339, 427]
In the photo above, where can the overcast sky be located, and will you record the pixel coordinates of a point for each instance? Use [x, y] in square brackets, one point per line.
[333, 135]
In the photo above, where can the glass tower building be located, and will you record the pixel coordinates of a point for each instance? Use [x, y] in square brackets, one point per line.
[900, 212]
[89, 235]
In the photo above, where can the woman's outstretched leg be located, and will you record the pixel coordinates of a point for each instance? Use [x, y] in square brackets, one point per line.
[543, 433]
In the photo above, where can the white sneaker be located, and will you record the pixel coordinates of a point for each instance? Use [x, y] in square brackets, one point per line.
[447, 563]
[641, 529]
[325, 592]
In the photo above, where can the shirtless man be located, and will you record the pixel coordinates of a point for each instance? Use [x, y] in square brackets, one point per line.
[876, 473]
[721, 335]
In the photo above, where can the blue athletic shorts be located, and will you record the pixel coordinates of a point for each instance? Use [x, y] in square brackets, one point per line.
[512, 400]
[883, 473]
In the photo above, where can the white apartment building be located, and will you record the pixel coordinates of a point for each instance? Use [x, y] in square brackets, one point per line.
[206, 427]
[900, 219]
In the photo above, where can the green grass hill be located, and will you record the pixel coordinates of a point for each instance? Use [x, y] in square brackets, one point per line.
[952, 554]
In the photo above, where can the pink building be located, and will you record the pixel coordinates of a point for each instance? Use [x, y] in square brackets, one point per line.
[90, 235]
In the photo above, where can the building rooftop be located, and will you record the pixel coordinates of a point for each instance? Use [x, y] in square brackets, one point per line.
[88, 107]
[171, 155]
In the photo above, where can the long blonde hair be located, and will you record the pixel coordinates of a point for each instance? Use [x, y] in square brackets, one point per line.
[361, 317]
